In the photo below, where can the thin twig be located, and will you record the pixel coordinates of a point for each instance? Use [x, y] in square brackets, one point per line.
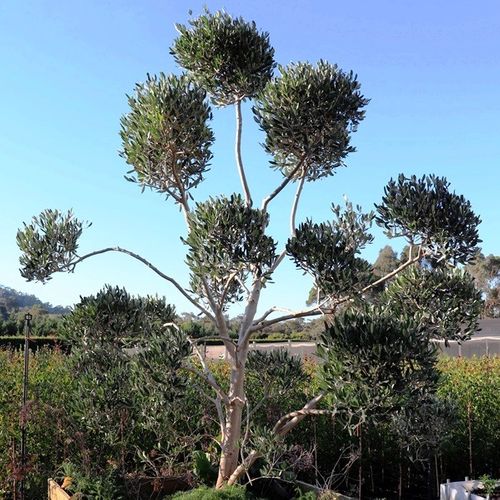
[314, 310]
[216, 401]
[288, 178]
[270, 311]
[390, 275]
[182, 200]
[209, 375]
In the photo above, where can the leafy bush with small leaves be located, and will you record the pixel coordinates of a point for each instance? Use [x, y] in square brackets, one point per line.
[307, 114]
[329, 251]
[51, 385]
[227, 56]
[204, 493]
[166, 138]
[48, 244]
[133, 409]
[277, 370]
[376, 363]
[474, 384]
[227, 238]
[81, 487]
[444, 301]
[116, 316]
[425, 212]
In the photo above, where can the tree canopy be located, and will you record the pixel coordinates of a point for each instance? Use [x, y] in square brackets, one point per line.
[307, 113]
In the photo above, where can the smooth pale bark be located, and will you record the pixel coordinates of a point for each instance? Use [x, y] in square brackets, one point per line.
[237, 399]
[230, 445]
[282, 427]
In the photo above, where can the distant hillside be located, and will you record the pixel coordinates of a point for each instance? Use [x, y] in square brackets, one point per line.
[11, 300]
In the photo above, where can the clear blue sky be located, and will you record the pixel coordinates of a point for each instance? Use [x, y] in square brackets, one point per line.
[430, 68]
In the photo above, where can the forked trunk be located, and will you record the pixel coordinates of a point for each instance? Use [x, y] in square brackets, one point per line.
[231, 440]
[230, 447]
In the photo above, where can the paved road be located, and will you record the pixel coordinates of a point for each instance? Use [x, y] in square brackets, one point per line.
[479, 345]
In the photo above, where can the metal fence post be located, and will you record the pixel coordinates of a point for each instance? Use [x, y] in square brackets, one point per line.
[27, 330]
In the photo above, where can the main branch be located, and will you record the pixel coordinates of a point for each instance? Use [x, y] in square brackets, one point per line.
[237, 152]
[148, 264]
[293, 213]
[284, 183]
[318, 309]
[282, 427]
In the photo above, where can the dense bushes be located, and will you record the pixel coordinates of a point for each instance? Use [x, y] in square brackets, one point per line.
[204, 493]
[474, 385]
[159, 443]
[48, 433]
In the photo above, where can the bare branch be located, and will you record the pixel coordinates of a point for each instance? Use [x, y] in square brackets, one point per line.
[291, 420]
[283, 426]
[231, 277]
[217, 318]
[249, 315]
[277, 262]
[318, 309]
[295, 204]
[315, 310]
[208, 375]
[237, 152]
[220, 415]
[396, 271]
[243, 284]
[136, 256]
[270, 311]
[286, 180]
[293, 214]
[243, 467]
[182, 199]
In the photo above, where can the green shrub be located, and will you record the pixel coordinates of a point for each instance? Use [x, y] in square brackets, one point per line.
[50, 386]
[474, 385]
[163, 442]
[204, 493]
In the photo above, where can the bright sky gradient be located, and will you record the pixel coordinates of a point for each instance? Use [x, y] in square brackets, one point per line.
[431, 69]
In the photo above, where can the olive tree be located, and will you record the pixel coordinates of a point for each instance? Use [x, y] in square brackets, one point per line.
[307, 113]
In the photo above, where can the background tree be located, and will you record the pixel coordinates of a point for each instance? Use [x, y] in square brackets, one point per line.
[386, 262]
[307, 113]
[486, 274]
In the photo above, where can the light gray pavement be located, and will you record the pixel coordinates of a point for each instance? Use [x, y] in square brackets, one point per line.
[485, 342]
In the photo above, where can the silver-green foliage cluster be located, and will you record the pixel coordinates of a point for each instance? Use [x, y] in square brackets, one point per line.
[329, 251]
[48, 244]
[166, 137]
[227, 238]
[444, 301]
[376, 363]
[426, 212]
[308, 113]
[227, 56]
